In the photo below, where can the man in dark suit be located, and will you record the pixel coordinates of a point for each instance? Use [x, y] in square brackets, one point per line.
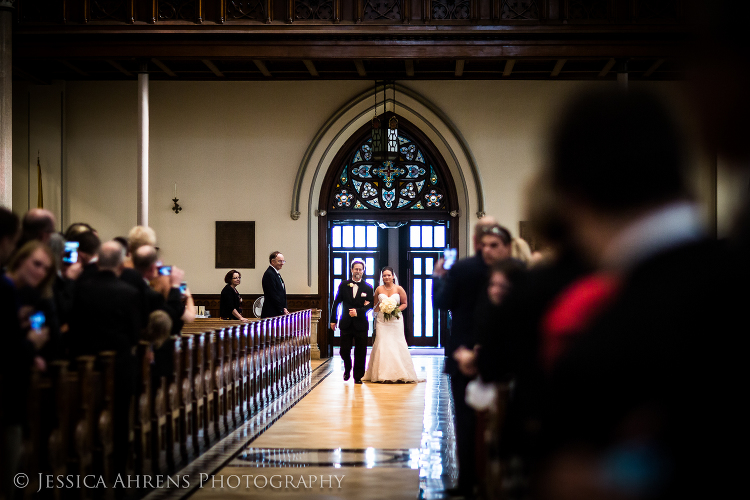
[274, 290]
[106, 316]
[459, 290]
[356, 295]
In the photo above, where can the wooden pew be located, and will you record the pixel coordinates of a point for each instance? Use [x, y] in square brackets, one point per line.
[174, 387]
[200, 408]
[217, 383]
[188, 419]
[58, 442]
[219, 378]
[142, 428]
[104, 412]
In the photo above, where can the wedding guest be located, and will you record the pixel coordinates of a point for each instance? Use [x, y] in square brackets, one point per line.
[639, 309]
[459, 290]
[230, 306]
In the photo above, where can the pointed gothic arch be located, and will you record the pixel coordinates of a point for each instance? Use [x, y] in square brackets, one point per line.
[416, 186]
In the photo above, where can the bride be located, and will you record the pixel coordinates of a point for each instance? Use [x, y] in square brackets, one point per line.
[390, 360]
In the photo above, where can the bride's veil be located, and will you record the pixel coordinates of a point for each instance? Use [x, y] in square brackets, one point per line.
[395, 278]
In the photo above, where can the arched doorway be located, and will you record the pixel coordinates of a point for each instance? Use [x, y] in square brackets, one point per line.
[401, 213]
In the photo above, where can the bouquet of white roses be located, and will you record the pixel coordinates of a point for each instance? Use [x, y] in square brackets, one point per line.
[389, 308]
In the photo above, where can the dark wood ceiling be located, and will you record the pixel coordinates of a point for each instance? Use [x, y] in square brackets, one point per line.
[213, 40]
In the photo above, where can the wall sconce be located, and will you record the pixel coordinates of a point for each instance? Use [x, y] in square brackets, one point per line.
[177, 208]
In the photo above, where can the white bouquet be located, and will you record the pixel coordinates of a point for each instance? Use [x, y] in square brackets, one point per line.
[389, 308]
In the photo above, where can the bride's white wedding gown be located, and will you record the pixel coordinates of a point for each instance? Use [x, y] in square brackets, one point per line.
[390, 360]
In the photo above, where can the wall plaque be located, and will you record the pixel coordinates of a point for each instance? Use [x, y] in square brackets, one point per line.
[235, 244]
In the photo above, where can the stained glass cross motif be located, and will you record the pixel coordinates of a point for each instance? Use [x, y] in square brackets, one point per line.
[387, 170]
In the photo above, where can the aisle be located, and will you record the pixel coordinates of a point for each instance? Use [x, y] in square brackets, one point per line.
[334, 439]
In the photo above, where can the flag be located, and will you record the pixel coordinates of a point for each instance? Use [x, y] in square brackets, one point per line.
[40, 196]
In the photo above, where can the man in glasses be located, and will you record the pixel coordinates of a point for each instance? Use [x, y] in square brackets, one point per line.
[459, 290]
[274, 290]
[495, 242]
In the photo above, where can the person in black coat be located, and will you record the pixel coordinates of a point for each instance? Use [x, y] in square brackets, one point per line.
[274, 290]
[230, 306]
[618, 405]
[459, 290]
[106, 316]
[356, 295]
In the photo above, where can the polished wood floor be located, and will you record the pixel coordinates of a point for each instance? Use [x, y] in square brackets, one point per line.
[331, 439]
[363, 445]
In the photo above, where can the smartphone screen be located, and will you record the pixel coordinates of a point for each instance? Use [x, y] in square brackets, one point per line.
[37, 320]
[70, 253]
[183, 287]
[450, 257]
[165, 270]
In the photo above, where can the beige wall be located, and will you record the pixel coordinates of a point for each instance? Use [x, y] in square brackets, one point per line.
[234, 149]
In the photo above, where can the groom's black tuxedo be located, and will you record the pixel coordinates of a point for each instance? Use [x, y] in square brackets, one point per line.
[353, 329]
[345, 295]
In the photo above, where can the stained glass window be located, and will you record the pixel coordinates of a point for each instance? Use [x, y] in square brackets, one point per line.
[411, 182]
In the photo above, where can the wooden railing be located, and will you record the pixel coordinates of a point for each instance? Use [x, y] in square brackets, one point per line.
[221, 374]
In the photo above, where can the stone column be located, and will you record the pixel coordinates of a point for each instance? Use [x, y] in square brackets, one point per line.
[6, 103]
[143, 146]
[314, 322]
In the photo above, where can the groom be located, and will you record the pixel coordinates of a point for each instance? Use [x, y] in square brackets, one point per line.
[357, 298]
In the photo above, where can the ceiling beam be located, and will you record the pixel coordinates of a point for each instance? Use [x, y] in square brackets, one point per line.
[409, 67]
[558, 67]
[28, 76]
[262, 67]
[310, 67]
[163, 67]
[460, 67]
[119, 67]
[360, 67]
[607, 67]
[213, 68]
[653, 68]
[509, 67]
[426, 49]
[73, 67]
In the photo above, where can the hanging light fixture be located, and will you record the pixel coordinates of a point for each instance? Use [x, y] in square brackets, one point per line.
[385, 132]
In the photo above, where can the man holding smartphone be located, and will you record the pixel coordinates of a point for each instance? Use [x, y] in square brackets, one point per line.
[459, 290]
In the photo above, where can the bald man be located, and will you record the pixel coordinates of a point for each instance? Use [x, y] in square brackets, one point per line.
[37, 224]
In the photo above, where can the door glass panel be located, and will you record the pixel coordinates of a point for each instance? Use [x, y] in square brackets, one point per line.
[372, 236]
[337, 266]
[360, 236]
[426, 236]
[417, 307]
[417, 266]
[428, 264]
[414, 236]
[370, 269]
[347, 239]
[439, 238]
[428, 325]
[336, 237]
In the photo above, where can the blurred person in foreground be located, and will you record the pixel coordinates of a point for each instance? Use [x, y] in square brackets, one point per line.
[37, 224]
[106, 317]
[626, 348]
[29, 277]
[459, 290]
